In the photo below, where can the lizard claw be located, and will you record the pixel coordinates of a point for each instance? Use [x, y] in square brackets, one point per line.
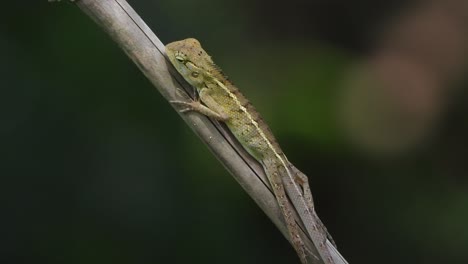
[185, 110]
[179, 102]
[182, 103]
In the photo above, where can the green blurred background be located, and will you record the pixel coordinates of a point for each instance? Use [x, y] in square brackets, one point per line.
[365, 97]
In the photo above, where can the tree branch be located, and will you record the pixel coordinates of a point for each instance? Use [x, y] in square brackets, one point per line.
[135, 38]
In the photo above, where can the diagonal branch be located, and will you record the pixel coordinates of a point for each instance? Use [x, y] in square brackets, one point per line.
[135, 38]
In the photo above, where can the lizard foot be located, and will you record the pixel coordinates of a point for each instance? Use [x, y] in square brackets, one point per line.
[189, 106]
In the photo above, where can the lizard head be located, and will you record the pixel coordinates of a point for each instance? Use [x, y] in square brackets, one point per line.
[190, 60]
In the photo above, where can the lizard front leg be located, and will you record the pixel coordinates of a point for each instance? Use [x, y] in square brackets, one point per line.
[215, 111]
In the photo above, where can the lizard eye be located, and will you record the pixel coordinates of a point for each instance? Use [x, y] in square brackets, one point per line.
[179, 58]
[195, 74]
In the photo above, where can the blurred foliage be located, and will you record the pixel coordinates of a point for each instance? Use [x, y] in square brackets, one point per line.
[98, 168]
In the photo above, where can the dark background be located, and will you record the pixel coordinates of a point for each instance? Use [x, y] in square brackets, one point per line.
[96, 166]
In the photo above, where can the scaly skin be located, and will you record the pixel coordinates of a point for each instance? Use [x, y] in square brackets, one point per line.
[221, 100]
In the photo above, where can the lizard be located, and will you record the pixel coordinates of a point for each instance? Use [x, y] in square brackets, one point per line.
[218, 98]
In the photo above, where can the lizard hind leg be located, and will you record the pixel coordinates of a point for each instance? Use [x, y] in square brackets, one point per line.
[286, 210]
[302, 180]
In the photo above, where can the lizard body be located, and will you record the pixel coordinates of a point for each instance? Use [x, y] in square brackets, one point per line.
[221, 100]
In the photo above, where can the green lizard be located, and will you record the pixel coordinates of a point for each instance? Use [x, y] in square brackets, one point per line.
[221, 100]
